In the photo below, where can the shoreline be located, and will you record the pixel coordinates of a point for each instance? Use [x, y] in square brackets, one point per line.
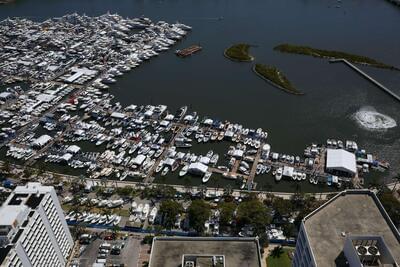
[238, 60]
[332, 55]
[243, 51]
[274, 84]
[180, 188]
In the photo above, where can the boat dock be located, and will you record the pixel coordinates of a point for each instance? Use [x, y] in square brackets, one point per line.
[366, 76]
[188, 51]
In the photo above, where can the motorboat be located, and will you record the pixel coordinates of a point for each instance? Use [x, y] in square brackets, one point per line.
[184, 170]
[278, 175]
[165, 171]
[117, 220]
[206, 177]
[159, 167]
[145, 212]
[152, 215]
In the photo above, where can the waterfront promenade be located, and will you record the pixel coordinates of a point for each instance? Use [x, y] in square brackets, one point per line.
[212, 191]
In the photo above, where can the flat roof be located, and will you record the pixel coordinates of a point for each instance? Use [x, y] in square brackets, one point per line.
[341, 159]
[354, 212]
[238, 252]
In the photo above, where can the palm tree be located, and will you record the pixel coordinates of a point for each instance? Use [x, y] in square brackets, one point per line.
[82, 179]
[396, 181]
[6, 167]
[202, 189]
[277, 251]
[228, 190]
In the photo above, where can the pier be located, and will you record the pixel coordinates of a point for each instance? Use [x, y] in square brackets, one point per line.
[366, 76]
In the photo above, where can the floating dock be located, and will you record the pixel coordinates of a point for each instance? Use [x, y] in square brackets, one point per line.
[188, 51]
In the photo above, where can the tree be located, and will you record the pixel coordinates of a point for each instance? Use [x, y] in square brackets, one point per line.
[396, 181]
[277, 252]
[125, 191]
[228, 190]
[199, 211]
[255, 214]
[148, 239]
[170, 209]
[6, 167]
[115, 230]
[27, 172]
[282, 206]
[289, 229]
[391, 205]
[227, 210]
[41, 169]
[202, 189]
[57, 178]
[263, 240]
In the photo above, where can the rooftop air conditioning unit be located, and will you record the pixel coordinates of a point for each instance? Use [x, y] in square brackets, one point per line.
[373, 251]
[189, 264]
[361, 250]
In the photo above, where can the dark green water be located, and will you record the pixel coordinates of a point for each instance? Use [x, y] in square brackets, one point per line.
[219, 88]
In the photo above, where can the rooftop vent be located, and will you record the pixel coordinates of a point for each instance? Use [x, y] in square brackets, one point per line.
[373, 250]
[361, 250]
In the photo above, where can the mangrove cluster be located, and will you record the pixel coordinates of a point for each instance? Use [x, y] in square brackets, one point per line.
[309, 51]
[275, 77]
[239, 52]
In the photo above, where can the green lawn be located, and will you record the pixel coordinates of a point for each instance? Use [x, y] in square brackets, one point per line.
[282, 260]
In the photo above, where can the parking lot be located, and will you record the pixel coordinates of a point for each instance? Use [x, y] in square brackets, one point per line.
[119, 252]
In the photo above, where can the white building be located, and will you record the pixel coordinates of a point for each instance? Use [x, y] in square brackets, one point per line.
[41, 141]
[341, 161]
[351, 229]
[197, 168]
[33, 230]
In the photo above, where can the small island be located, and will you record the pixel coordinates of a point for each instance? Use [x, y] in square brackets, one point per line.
[239, 52]
[309, 51]
[276, 78]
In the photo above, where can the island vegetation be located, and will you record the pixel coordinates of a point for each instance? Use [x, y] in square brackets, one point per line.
[239, 52]
[275, 77]
[309, 51]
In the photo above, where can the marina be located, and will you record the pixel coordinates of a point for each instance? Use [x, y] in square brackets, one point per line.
[92, 150]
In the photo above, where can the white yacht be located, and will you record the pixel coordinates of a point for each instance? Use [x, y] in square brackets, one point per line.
[278, 175]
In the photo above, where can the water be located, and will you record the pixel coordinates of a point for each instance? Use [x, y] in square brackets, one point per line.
[219, 88]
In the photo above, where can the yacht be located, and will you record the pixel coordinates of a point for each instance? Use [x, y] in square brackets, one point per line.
[206, 177]
[165, 171]
[184, 170]
[153, 214]
[145, 212]
[278, 175]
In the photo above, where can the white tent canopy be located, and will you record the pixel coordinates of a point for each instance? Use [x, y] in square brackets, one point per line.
[341, 160]
[197, 168]
[139, 159]
[42, 140]
[288, 171]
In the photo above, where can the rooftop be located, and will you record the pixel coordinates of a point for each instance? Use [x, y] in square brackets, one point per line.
[353, 212]
[238, 252]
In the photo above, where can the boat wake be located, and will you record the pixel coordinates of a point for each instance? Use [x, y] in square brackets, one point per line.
[368, 118]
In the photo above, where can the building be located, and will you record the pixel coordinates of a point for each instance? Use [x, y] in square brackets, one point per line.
[41, 141]
[205, 252]
[341, 162]
[351, 229]
[33, 230]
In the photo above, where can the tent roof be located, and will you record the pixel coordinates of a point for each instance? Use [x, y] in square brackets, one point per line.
[342, 160]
